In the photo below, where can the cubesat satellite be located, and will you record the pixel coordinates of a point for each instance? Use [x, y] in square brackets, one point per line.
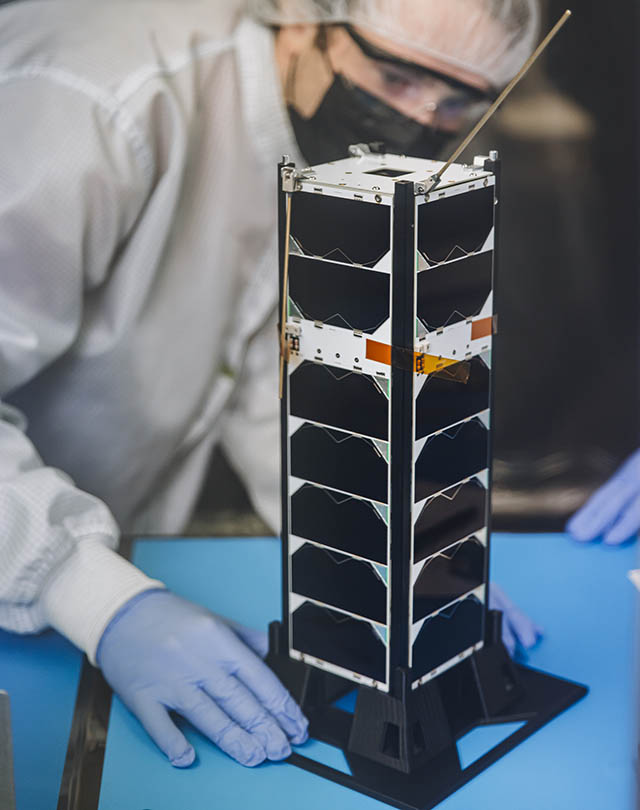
[387, 286]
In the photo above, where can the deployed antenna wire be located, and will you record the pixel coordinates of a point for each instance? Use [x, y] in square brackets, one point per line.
[435, 179]
[285, 281]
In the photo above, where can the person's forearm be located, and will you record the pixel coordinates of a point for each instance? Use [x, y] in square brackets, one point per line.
[57, 564]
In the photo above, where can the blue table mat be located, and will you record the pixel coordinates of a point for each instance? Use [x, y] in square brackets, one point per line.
[583, 759]
[40, 673]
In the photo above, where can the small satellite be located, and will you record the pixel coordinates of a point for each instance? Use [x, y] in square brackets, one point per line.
[388, 267]
[387, 288]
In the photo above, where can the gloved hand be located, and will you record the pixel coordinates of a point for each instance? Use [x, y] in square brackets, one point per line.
[161, 653]
[613, 512]
[517, 628]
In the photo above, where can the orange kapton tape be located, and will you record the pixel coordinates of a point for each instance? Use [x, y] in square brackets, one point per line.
[421, 363]
[481, 328]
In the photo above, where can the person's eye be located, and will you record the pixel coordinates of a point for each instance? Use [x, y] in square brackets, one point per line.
[394, 81]
[453, 107]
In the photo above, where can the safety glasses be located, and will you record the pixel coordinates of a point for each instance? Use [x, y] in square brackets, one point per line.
[417, 91]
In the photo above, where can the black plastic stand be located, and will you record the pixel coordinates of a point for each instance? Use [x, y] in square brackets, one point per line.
[402, 750]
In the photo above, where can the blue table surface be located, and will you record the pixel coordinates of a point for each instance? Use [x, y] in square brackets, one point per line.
[40, 673]
[583, 759]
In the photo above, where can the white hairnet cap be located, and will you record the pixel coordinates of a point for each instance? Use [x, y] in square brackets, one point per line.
[490, 38]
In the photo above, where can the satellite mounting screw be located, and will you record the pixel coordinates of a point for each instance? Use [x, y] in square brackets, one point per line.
[419, 188]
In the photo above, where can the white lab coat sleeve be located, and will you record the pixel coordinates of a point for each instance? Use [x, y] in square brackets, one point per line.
[71, 187]
[250, 433]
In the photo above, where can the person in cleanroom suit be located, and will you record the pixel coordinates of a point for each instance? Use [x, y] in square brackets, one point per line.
[138, 286]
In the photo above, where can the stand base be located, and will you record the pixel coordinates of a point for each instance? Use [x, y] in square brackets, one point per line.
[470, 695]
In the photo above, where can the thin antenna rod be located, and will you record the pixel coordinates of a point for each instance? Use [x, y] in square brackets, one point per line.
[507, 90]
[285, 281]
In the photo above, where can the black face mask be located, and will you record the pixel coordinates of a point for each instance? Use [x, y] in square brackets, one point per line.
[347, 114]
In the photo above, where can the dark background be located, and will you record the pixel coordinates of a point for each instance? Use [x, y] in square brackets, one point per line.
[567, 354]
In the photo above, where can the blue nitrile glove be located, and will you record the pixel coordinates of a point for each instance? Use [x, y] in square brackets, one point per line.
[517, 627]
[161, 653]
[613, 512]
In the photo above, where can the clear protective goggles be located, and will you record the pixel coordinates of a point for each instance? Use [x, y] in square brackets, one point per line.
[418, 92]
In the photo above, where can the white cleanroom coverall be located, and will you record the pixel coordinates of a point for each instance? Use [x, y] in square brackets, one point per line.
[138, 287]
